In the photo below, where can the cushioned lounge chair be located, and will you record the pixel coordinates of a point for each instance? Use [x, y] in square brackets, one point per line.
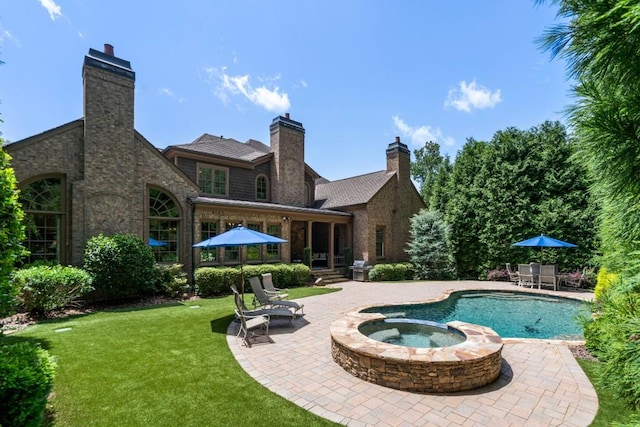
[260, 298]
[272, 291]
[271, 312]
[250, 324]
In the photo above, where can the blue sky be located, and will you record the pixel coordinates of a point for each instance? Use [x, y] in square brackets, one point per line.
[355, 73]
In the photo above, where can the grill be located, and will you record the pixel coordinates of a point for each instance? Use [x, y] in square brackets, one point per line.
[360, 270]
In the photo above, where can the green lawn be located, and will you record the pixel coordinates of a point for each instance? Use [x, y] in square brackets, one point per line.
[611, 410]
[165, 365]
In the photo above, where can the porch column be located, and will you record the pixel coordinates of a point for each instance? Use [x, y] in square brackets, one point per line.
[310, 241]
[331, 245]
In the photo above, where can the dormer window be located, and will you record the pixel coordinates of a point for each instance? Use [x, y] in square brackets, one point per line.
[213, 180]
[262, 188]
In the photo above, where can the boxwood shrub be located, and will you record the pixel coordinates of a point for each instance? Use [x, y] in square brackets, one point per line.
[211, 281]
[26, 378]
[45, 288]
[391, 272]
[121, 265]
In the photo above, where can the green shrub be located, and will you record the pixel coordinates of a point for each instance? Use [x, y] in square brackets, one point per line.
[499, 275]
[11, 233]
[604, 281]
[212, 281]
[301, 274]
[121, 265]
[46, 288]
[171, 280]
[307, 256]
[26, 378]
[391, 272]
[348, 262]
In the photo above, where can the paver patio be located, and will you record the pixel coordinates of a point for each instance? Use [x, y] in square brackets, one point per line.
[541, 383]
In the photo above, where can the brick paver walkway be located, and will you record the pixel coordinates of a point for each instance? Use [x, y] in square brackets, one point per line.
[541, 383]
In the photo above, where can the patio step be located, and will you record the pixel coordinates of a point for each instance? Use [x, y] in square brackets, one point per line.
[329, 276]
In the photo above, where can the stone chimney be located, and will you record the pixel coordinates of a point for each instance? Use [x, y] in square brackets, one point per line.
[287, 174]
[399, 160]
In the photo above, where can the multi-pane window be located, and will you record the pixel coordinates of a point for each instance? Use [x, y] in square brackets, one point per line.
[232, 253]
[212, 180]
[273, 250]
[379, 242]
[208, 230]
[164, 224]
[253, 251]
[261, 188]
[43, 218]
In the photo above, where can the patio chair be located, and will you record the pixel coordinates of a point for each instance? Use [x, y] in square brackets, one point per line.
[249, 325]
[576, 283]
[513, 275]
[525, 276]
[548, 276]
[272, 291]
[260, 298]
[271, 312]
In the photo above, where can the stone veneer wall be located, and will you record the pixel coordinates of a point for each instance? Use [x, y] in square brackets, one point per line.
[471, 364]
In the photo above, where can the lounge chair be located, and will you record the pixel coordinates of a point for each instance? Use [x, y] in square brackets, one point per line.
[525, 276]
[271, 312]
[272, 291]
[249, 324]
[548, 276]
[260, 298]
[513, 275]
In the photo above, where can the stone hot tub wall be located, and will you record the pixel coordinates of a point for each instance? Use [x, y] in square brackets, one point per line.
[471, 364]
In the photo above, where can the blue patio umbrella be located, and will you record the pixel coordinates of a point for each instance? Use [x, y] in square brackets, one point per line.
[154, 242]
[543, 241]
[239, 236]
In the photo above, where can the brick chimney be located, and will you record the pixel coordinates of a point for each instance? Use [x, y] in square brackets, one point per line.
[399, 160]
[287, 174]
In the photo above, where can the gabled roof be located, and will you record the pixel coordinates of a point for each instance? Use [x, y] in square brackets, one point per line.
[225, 148]
[356, 190]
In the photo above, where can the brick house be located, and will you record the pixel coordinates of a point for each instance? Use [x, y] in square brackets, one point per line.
[98, 175]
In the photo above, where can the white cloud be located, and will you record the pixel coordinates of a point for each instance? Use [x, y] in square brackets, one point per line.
[54, 10]
[472, 96]
[269, 98]
[168, 92]
[419, 135]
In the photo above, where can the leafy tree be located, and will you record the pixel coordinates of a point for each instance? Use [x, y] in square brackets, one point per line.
[427, 168]
[520, 184]
[600, 39]
[11, 233]
[430, 246]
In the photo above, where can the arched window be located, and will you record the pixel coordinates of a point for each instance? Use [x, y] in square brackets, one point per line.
[164, 225]
[44, 219]
[262, 188]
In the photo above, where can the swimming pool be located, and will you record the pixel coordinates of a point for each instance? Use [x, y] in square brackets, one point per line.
[510, 314]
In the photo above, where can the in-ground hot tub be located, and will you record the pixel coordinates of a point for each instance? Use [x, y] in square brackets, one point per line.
[472, 362]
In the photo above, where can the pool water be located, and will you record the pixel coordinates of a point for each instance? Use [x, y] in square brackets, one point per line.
[412, 333]
[510, 314]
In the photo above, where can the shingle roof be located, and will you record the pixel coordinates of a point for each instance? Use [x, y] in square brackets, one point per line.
[350, 191]
[226, 147]
[264, 205]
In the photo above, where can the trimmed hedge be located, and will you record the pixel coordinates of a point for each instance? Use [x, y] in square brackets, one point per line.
[26, 378]
[171, 280]
[45, 288]
[391, 272]
[211, 281]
